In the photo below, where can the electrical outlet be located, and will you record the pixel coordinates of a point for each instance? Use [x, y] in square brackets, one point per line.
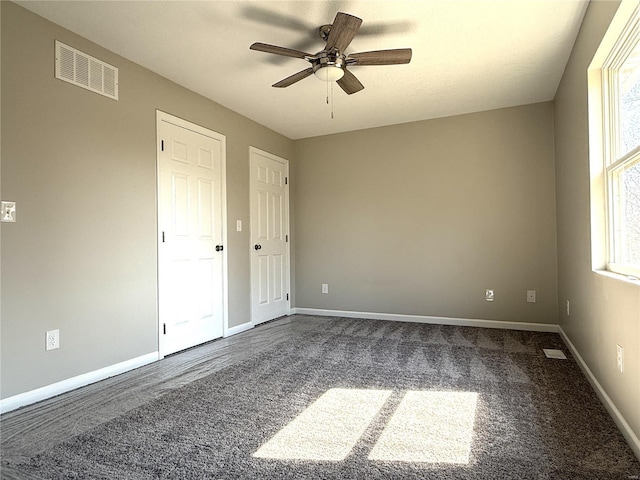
[325, 288]
[8, 212]
[568, 310]
[52, 340]
[531, 296]
[489, 295]
[620, 358]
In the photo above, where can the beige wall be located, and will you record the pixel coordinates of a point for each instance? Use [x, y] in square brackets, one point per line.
[604, 311]
[421, 218]
[82, 169]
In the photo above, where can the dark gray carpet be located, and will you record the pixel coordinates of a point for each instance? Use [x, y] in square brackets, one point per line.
[536, 418]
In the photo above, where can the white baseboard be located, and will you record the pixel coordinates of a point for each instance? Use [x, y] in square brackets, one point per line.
[49, 391]
[620, 421]
[238, 329]
[33, 396]
[464, 322]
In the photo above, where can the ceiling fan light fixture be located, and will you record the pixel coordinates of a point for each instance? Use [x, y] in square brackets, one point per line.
[329, 73]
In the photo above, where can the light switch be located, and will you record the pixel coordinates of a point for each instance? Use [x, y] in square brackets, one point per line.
[238, 225]
[8, 212]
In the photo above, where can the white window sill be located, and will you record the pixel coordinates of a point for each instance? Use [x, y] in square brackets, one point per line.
[628, 279]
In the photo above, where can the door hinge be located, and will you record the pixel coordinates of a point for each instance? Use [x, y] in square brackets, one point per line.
[162, 145]
[162, 237]
[287, 296]
[164, 328]
[286, 180]
[286, 238]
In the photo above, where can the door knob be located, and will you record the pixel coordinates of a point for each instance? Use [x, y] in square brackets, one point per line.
[257, 247]
[219, 248]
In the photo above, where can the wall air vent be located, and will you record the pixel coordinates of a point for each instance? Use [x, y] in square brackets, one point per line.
[83, 70]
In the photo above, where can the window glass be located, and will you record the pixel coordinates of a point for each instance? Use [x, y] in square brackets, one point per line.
[629, 107]
[630, 203]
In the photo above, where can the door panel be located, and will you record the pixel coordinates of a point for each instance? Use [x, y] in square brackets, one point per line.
[191, 222]
[269, 231]
[277, 280]
[263, 216]
[180, 204]
[263, 276]
[277, 213]
[206, 213]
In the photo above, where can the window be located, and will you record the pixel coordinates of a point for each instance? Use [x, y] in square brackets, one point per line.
[620, 95]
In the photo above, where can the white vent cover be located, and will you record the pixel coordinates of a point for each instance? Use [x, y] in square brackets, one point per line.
[553, 353]
[85, 71]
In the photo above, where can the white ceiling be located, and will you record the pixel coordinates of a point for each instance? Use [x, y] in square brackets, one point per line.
[468, 56]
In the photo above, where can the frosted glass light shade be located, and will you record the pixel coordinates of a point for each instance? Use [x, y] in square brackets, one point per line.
[329, 73]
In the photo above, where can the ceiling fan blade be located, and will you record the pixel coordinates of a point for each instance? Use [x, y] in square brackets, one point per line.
[296, 77]
[343, 29]
[381, 57]
[287, 52]
[349, 83]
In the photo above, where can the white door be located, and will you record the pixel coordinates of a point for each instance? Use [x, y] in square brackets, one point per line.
[269, 236]
[191, 224]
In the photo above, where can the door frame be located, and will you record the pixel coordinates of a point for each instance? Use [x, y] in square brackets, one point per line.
[180, 122]
[276, 158]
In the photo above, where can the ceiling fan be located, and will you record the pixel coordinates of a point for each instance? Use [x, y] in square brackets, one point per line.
[330, 64]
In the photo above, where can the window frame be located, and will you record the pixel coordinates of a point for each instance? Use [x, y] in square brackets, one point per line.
[613, 162]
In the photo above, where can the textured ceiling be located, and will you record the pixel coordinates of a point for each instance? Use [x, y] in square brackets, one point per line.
[468, 56]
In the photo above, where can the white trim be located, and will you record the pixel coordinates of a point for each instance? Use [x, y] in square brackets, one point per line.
[623, 426]
[628, 279]
[49, 391]
[238, 329]
[463, 322]
[225, 242]
[186, 124]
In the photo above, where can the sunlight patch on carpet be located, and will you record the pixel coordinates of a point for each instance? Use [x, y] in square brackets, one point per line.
[434, 427]
[328, 429]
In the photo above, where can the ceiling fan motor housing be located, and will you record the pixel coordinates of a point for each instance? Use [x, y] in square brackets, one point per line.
[325, 59]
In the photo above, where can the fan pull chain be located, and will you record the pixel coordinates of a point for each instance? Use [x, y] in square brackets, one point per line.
[327, 92]
[331, 100]
[330, 95]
